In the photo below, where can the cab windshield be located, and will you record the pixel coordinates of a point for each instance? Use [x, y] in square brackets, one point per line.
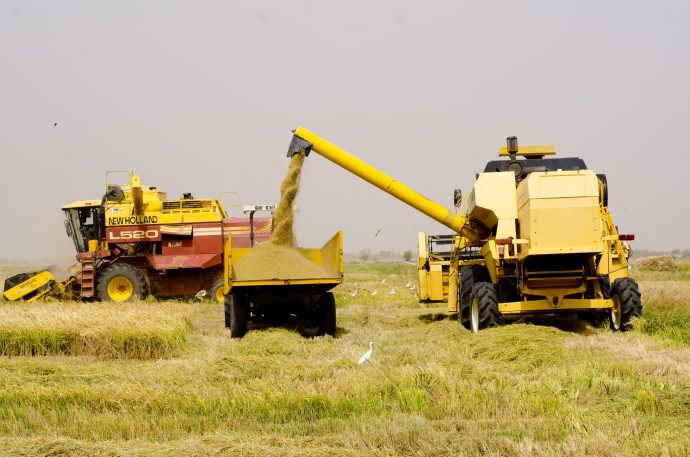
[82, 225]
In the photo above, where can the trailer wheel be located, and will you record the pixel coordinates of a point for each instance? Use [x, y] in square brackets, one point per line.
[227, 308]
[121, 282]
[217, 291]
[627, 303]
[483, 306]
[236, 307]
[469, 275]
[326, 314]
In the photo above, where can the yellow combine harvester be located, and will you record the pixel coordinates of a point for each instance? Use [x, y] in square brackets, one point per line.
[535, 237]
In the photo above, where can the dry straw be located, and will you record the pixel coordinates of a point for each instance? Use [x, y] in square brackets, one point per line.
[104, 330]
[656, 263]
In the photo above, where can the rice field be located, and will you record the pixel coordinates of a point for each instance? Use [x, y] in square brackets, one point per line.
[544, 388]
[103, 330]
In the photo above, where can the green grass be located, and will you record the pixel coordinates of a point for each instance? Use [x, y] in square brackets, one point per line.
[432, 388]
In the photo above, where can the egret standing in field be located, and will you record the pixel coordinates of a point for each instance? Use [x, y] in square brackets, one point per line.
[367, 355]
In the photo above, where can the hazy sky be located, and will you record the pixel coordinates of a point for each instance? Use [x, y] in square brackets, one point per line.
[201, 96]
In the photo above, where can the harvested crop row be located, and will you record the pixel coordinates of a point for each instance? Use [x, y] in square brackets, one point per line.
[104, 330]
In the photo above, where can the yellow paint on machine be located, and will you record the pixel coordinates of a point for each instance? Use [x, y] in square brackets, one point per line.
[32, 284]
[329, 258]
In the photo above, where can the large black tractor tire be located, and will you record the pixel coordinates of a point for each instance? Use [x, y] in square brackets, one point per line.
[216, 291]
[236, 310]
[469, 275]
[326, 314]
[122, 282]
[627, 304]
[483, 306]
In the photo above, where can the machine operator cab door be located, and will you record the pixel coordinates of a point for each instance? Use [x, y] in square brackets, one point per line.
[84, 221]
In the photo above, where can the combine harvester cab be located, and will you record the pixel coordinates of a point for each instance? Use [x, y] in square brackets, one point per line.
[535, 236]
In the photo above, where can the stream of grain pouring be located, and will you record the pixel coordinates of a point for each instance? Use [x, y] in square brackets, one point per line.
[277, 258]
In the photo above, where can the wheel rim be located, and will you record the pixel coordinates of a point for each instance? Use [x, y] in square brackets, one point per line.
[220, 297]
[616, 313]
[120, 289]
[474, 315]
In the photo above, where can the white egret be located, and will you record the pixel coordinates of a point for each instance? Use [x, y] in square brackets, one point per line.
[367, 355]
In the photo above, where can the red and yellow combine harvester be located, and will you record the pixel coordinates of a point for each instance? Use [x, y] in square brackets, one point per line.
[135, 242]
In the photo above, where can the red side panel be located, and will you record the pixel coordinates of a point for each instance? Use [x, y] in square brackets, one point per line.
[239, 229]
[178, 246]
[208, 238]
[171, 262]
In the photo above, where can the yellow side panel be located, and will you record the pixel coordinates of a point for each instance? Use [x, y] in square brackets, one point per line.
[559, 213]
[422, 249]
[435, 283]
[451, 284]
[329, 257]
[493, 202]
[423, 285]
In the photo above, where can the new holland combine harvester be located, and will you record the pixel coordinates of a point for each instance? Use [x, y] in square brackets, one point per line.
[535, 236]
[135, 242]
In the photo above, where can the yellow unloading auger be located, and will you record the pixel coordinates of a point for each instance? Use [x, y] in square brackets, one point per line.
[304, 140]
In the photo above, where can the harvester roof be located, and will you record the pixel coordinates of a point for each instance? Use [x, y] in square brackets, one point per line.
[555, 164]
[82, 204]
[530, 152]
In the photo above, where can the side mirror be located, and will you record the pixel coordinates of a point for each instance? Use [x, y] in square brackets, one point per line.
[457, 197]
[68, 229]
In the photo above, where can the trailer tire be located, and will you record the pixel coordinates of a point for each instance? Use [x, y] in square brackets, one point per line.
[469, 275]
[236, 313]
[122, 282]
[326, 314]
[627, 303]
[227, 305]
[216, 291]
[483, 307]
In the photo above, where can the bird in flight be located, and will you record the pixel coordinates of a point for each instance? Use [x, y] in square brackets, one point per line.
[367, 355]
